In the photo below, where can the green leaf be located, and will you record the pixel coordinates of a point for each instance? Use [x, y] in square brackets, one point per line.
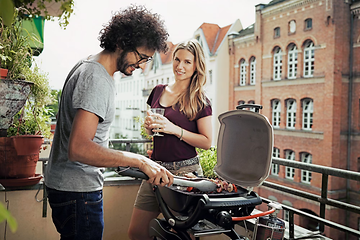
[5, 215]
[7, 11]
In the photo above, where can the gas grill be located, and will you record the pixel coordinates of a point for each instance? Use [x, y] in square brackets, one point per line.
[244, 152]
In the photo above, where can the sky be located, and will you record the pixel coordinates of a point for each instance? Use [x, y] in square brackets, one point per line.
[63, 48]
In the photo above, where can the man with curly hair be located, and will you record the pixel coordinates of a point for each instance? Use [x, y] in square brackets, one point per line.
[73, 177]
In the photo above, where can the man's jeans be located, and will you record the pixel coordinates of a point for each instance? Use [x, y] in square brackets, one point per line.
[77, 215]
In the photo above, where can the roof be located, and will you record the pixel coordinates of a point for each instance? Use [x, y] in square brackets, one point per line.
[214, 35]
[247, 31]
[274, 2]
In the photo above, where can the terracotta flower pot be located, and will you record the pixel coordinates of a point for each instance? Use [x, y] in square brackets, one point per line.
[3, 73]
[27, 144]
[14, 165]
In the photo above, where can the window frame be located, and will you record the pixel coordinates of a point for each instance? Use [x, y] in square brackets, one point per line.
[276, 113]
[306, 176]
[275, 168]
[307, 114]
[243, 66]
[292, 62]
[308, 26]
[290, 113]
[277, 32]
[289, 171]
[252, 71]
[277, 64]
[309, 59]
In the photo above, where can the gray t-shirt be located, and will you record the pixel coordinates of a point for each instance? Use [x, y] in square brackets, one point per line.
[88, 87]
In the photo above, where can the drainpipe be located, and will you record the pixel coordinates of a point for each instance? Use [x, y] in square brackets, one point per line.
[349, 132]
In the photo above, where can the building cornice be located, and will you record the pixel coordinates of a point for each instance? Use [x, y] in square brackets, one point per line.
[289, 5]
[355, 9]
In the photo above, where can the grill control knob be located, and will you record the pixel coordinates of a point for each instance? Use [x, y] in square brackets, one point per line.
[224, 220]
[171, 222]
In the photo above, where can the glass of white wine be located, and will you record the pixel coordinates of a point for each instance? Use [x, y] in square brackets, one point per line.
[159, 111]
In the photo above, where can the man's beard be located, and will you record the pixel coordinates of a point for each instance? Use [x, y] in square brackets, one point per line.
[122, 65]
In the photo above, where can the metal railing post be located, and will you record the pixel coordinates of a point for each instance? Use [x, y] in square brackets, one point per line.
[291, 225]
[324, 190]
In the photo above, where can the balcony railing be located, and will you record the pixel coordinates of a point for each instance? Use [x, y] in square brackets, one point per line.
[323, 199]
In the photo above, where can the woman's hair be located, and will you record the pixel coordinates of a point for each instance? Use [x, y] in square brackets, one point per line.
[134, 27]
[193, 99]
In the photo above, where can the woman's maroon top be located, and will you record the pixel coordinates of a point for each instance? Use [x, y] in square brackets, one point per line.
[169, 148]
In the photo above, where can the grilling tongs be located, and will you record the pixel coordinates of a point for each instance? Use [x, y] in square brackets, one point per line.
[201, 184]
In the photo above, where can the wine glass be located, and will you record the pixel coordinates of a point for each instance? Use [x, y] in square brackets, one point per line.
[160, 111]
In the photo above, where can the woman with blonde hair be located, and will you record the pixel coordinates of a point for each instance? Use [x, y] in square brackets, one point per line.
[186, 125]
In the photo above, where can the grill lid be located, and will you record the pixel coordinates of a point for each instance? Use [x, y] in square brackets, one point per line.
[244, 148]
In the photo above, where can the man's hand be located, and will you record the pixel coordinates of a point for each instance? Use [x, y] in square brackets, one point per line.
[158, 175]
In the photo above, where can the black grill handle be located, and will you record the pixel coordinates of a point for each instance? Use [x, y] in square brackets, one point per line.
[131, 172]
[250, 105]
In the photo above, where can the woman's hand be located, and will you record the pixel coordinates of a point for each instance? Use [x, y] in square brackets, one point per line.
[163, 125]
[160, 124]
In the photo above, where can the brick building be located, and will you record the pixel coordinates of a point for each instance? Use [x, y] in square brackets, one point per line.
[300, 60]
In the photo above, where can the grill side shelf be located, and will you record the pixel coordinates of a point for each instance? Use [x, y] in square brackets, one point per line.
[232, 202]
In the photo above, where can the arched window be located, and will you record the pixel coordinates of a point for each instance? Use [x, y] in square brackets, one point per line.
[306, 175]
[309, 59]
[289, 171]
[292, 62]
[307, 114]
[240, 102]
[252, 70]
[242, 72]
[290, 113]
[276, 113]
[275, 167]
[277, 64]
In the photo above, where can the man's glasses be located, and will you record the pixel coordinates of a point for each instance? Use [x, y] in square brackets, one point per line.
[143, 59]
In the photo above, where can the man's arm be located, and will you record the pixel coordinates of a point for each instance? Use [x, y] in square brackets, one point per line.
[83, 149]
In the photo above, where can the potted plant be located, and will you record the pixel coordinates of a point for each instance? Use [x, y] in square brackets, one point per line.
[25, 83]
[31, 124]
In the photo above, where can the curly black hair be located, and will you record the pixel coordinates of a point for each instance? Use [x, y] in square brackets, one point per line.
[134, 27]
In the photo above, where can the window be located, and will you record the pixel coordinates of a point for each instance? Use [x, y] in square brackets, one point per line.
[277, 32]
[289, 171]
[308, 24]
[242, 72]
[286, 215]
[286, 212]
[277, 64]
[292, 61]
[252, 70]
[276, 112]
[307, 118]
[306, 175]
[210, 76]
[275, 167]
[309, 59]
[291, 114]
[241, 102]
